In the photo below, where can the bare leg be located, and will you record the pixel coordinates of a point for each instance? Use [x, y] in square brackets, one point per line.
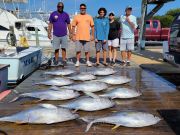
[87, 54]
[64, 54]
[129, 55]
[78, 56]
[97, 56]
[56, 53]
[110, 53]
[104, 56]
[123, 55]
[115, 54]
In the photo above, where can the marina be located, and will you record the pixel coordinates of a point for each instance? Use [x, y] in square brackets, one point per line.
[125, 82]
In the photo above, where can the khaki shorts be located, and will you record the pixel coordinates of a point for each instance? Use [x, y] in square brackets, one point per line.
[127, 44]
[60, 42]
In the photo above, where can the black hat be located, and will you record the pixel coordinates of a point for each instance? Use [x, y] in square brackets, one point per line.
[111, 14]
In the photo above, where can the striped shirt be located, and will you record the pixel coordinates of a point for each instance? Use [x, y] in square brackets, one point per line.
[126, 30]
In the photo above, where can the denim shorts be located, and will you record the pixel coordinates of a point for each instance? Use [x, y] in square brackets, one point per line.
[100, 45]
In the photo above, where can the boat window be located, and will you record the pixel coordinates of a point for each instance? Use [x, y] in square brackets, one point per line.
[3, 28]
[31, 28]
[148, 24]
[18, 25]
[155, 24]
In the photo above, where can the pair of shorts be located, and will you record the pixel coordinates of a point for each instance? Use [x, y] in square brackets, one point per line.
[60, 41]
[127, 44]
[100, 45]
[113, 43]
[82, 44]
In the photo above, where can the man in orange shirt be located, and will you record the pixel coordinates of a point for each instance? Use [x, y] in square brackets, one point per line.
[81, 26]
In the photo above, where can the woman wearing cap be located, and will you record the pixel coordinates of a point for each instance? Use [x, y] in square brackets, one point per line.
[113, 38]
[101, 35]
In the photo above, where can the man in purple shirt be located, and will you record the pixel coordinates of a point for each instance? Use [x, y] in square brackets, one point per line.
[59, 21]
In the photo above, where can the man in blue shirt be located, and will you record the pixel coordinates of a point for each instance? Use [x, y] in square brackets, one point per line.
[128, 26]
[101, 35]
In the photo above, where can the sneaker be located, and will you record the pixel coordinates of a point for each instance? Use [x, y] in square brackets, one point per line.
[113, 63]
[105, 64]
[55, 62]
[96, 64]
[123, 63]
[64, 63]
[128, 63]
[89, 64]
[77, 64]
[110, 63]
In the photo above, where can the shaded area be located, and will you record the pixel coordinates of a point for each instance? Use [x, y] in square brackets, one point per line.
[172, 117]
[172, 77]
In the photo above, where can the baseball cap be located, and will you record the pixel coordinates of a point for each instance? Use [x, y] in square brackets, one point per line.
[129, 7]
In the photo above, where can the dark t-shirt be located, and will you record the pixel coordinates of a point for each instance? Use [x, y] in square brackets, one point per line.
[114, 30]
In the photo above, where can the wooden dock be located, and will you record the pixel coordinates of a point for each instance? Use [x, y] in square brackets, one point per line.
[157, 94]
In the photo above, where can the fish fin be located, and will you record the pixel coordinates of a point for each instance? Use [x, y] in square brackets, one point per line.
[89, 126]
[39, 100]
[115, 127]
[20, 122]
[114, 111]
[48, 106]
[14, 99]
[90, 94]
[75, 110]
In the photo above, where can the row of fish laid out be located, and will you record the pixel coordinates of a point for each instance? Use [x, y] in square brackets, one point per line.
[111, 80]
[96, 72]
[49, 114]
[56, 93]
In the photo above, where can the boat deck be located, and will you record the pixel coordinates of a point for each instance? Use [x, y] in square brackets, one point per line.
[157, 94]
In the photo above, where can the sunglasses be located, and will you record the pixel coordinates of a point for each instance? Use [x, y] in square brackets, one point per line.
[83, 8]
[59, 6]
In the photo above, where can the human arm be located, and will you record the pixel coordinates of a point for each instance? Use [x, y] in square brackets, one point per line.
[50, 25]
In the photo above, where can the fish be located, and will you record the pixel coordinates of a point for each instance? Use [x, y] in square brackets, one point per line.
[103, 71]
[121, 93]
[89, 104]
[89, 86]
[52, 93]
[132, 119]
[62, 72]
[115, 80]
[41, 114]
[56, 82]
[83, 77]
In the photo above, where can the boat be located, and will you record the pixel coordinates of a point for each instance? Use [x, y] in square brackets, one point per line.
[26, 32]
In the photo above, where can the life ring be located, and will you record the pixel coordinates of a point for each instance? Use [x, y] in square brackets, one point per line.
[11, 39]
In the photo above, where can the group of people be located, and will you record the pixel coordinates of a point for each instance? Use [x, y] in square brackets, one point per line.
[104, 31]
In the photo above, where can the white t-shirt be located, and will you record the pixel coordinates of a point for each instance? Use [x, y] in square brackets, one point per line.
[126, 30]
